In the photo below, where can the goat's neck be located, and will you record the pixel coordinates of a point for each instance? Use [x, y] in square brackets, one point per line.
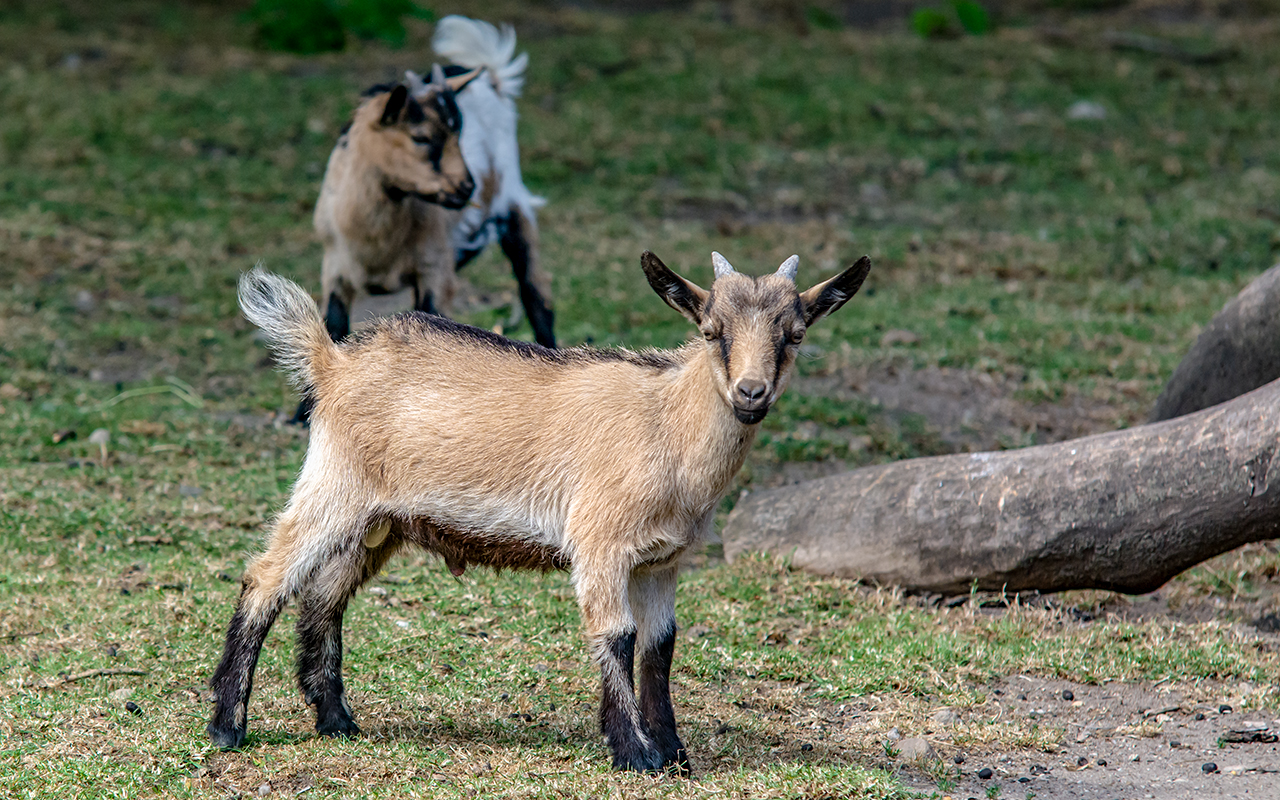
[713, 442]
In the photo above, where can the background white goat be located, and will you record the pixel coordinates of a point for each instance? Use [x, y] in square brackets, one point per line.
[502, 207]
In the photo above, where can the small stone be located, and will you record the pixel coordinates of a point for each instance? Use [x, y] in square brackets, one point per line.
[893, 734]
[1175, 744]
[264, 790]
[121, 695]
[133, 708]
[1135, 757]
[84, 301]
[985, 773]
[916, 750]
[959, 759]
[1102, 762]
[1208, 767]
[1022, 697]
[1086, 109]
[1199, 716]
[1024, 779]
[1081, 761]
[1224, 709]
[806, 747]
[946, 718]
[899, 336]
[1067, 694]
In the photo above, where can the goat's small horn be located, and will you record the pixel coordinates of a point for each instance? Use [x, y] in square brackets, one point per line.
[437, 76]
[789, 267]
[417, 86]
[721, 265]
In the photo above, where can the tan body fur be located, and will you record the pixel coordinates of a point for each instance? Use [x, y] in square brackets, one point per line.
[504, 454]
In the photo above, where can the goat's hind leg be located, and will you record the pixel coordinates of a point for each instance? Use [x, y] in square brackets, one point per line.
[268, 584]
[320, 613]
[653, 594]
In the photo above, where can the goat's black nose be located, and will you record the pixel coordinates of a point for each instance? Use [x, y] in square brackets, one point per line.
[751, 392]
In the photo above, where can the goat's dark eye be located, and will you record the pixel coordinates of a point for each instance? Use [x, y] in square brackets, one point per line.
[796, 337]
[711, 336]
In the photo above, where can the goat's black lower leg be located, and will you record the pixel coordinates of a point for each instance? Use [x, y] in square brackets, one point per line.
[320, 666]
[655, 701]
[320, 612]
[520, 252]
[620, 719]
[233, 679]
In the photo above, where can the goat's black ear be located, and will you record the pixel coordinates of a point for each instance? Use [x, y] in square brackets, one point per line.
[395, 104]
[684, 296]
[834, 292]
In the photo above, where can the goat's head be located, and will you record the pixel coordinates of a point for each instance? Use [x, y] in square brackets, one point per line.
[753, 326]
[415, 139]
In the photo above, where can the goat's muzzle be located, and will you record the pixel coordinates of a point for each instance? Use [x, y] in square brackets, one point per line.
[459, 196]
[750, 401]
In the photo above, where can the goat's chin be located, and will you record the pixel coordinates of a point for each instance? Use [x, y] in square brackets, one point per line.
[750, 416]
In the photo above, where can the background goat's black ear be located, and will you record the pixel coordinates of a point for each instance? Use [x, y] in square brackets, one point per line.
[395, 104]
[684, 296]
[834, 292]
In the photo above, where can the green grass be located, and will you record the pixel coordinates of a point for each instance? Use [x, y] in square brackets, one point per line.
[141, 176]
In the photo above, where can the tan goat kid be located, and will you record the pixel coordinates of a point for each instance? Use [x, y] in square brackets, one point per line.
[382, 213]
[493, 452]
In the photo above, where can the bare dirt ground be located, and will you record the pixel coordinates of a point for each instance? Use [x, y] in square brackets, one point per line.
[1126, 741]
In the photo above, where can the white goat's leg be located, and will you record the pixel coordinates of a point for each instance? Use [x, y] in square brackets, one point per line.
[520, 245]
[653, 599]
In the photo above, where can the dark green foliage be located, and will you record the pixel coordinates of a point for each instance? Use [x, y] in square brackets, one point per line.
[298, 26]
[380, 19]
[931, 23]
[821, 18]
[973, 17]
[966, 15]
[315, 26]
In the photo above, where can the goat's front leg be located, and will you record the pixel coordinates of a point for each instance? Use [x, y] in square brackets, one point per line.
[653, 598]
[601, 587]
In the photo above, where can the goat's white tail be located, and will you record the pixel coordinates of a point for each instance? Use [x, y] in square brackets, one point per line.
[474, 43]
[290, 320]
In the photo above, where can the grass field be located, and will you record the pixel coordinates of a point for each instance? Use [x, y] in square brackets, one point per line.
[149, 154]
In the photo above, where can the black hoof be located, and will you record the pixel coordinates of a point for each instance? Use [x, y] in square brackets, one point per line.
[226, 738]
[338, 728]
[638, 761]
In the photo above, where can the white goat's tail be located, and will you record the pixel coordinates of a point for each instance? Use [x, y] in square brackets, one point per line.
[474, 43]
[291, 322]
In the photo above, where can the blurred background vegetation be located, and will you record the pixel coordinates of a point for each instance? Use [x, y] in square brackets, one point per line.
[1055, 195]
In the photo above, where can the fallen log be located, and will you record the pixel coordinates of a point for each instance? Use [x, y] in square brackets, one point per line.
[1238, 351]
[1123, 511]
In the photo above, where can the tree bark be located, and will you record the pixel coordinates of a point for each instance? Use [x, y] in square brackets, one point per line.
[1124, 511]
[1237, 352]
